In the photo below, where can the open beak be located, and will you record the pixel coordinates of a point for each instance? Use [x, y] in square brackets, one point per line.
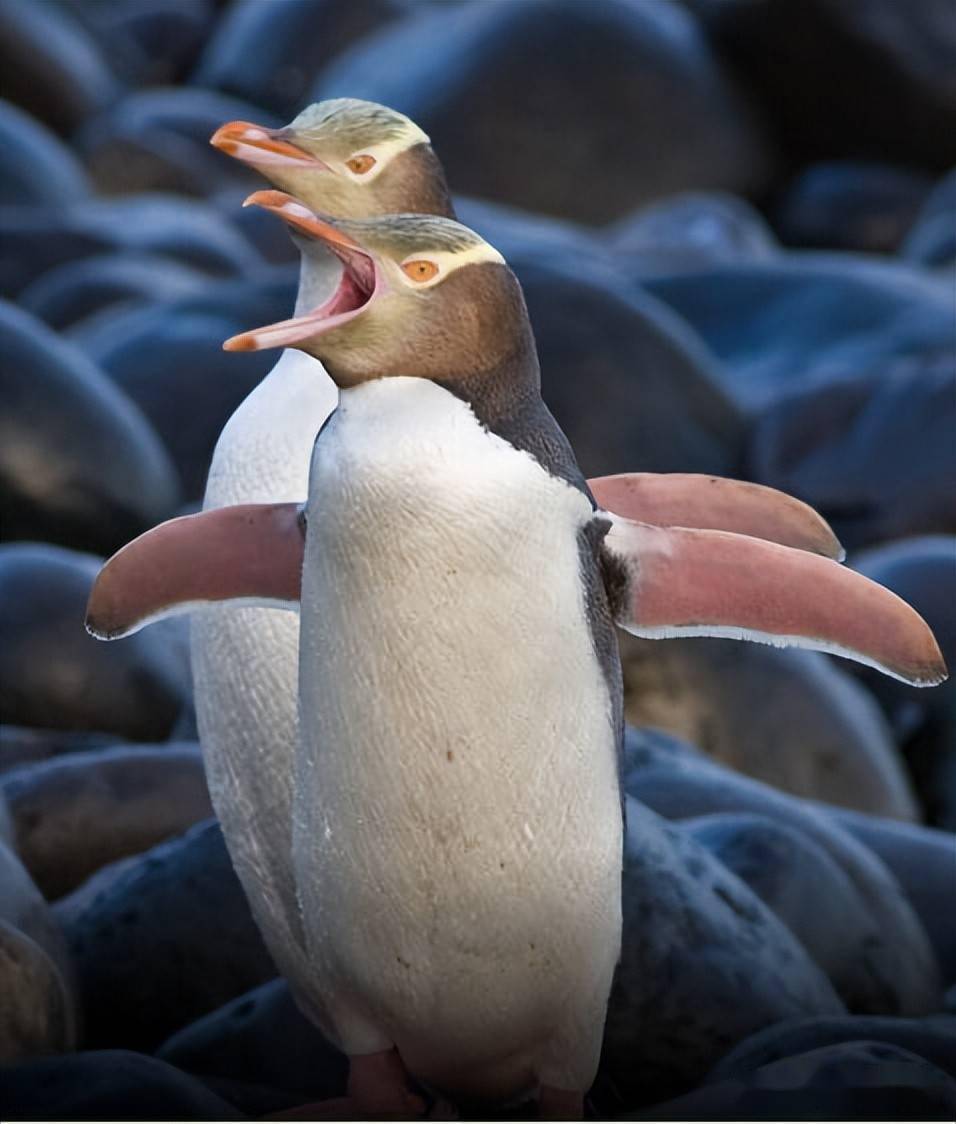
[360, 283]
[261, 147]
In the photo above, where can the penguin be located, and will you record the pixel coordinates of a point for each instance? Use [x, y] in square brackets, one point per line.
[245, 660]
[458, 821]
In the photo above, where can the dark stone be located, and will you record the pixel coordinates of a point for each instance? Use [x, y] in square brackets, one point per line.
[933, 1039]
[786, 324]
[168, 940]
[703, 964]
[793, 719]
[61, 415]
[932, 240]
[51, 66]
[582, 110]
[849, 205]
[847, 1081]
[23, 745]
[35, 1016]
[264, 1037]
[75, 814]
[168, 358]
[37, 167]
[868, 81]
[53, 674]
[873, 453]
[630, 385]
[69, 293]
[271, 53]
[158, 140]
[107, 1085]
[681, 785]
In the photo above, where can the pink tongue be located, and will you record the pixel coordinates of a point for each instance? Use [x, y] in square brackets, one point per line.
[348, 296]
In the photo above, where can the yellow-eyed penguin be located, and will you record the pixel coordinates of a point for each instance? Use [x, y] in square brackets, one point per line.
[458, 830]
[358, 158]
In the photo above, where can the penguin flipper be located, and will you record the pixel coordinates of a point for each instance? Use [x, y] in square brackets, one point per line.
[678, 581]
[250, 553]
[715, 503]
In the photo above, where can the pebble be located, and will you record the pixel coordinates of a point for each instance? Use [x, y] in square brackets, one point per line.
[53, 675]
[35, 1016]
[793, 719]
[108, 1085]
[521, 111]
[167, 940]
[677, 784]
[75, 814]
[38, 168]
[60, 414]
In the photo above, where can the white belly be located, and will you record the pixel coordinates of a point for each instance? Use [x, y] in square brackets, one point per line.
[457, 818]
[245, 661]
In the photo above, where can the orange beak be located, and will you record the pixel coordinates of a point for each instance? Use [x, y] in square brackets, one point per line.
[299, 217]
[258, 146]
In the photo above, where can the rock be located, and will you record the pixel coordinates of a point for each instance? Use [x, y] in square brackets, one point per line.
[870, 80]
[677, 784]
[810, 893]
[75, 814]
[69, 293]
[6, 824]
[158, 140]
[107, 1085]
[22, 745]
[37, 167]
[629, 384]
[872, 452]
[36, 239]
[519, 112]
[924, 863]
[802, 318]
[169, 355]
[35, 1016]
[703, 964]
[170, 939]
[60, 414]
[932, 1039]
[849, 1081]
[851, 205]
[51, 67]
[53, 674]
[263, 1036]
[689, 231]
[790, 718]
[271, 53]
[932, 240]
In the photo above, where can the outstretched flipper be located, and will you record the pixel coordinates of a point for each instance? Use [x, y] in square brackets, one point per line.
[678, 581]
[250, 552]
[714, 503]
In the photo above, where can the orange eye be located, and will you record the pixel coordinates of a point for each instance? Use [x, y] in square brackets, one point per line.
[361, 164]
[420, 270]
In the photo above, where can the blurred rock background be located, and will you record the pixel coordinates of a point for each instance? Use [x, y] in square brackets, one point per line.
[735, 222]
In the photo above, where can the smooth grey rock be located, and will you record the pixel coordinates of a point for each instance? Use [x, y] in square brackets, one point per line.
[932, 240]
[6, 823]
[810, 893]
[53, 674]
[848, 1081]
[35, 1016]
[37, 166]
[581, 110]
[263, 1036]
[704, 964]
[77, 813]
[60, 417]
[168, 940]
[793, 719]
[107, 1085]
[23, 745]
[681, 785]
[933, 1039]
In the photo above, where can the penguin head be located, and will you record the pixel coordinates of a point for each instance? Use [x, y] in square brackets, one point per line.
[345, 157]
[418, 295]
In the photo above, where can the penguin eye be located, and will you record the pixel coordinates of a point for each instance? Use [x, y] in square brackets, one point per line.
[420, 270]
[361, 164]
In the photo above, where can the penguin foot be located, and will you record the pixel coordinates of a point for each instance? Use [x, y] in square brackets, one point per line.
[379, 1087]
[560, 1104]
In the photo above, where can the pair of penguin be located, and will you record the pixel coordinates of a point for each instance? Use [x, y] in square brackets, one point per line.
[418, 778]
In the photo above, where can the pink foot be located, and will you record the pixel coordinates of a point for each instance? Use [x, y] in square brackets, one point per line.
[560, 1104]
